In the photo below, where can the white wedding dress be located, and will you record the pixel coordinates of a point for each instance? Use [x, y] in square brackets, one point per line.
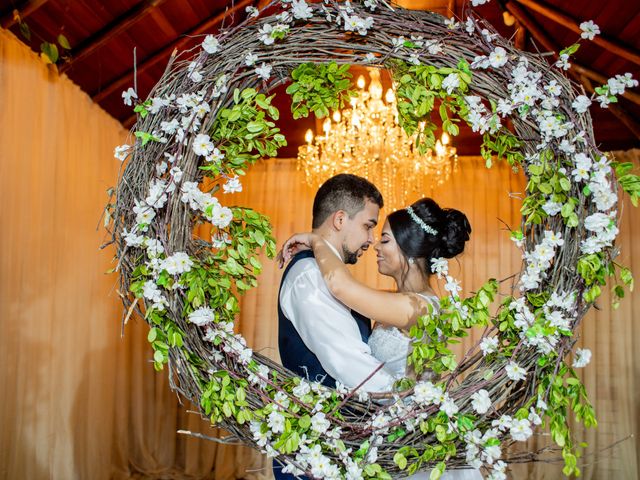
[391, 346]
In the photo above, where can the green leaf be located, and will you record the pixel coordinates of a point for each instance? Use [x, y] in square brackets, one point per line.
[24, 31]
[437, 472]
[50, 50]
[63, 42]
[400, 460]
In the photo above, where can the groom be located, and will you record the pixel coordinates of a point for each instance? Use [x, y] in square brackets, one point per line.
[319, 337]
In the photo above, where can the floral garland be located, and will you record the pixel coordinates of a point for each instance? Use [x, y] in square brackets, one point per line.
[209, 118]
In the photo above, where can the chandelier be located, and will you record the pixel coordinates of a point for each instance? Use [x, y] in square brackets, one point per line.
[366, 140]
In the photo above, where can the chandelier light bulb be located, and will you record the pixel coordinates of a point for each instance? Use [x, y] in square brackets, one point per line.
[360, 82]
[390, 96]
[445, 138]
[336, 116]
[308, 136]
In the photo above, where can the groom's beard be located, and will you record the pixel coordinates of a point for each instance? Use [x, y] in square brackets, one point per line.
[351, 258]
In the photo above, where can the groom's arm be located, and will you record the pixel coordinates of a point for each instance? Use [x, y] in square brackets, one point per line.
[329, 331]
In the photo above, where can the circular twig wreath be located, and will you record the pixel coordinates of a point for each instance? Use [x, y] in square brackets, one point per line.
[210, 117]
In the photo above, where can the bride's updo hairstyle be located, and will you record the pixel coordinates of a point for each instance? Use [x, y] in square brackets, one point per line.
[426, 231]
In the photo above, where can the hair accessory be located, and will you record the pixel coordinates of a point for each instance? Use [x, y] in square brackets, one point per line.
[420, 222]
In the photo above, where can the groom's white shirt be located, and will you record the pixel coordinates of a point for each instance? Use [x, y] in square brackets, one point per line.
[328, 329]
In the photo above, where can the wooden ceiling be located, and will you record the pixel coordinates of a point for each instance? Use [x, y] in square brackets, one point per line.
[106, 36]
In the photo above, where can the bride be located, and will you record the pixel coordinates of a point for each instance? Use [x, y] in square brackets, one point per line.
[411, 238]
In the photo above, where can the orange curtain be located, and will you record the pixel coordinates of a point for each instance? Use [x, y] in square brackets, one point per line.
[78, 400]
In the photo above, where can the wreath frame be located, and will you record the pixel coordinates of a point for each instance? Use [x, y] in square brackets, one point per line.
[211, 370]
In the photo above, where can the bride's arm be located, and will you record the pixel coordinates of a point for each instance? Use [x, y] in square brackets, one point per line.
[400, 310]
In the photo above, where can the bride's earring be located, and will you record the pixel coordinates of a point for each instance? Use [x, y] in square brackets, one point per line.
[411, 261]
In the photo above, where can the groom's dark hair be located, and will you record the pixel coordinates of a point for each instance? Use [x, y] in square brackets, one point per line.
[343, 192]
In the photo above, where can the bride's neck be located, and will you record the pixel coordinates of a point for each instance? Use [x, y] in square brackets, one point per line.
[413, 282]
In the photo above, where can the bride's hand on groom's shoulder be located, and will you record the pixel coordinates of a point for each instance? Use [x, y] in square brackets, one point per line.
[296, 243]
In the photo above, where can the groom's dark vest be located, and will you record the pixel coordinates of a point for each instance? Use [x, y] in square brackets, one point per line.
[294, 353]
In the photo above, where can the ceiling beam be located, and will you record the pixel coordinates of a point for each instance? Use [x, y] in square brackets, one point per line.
[119, 25]
[10, 19]
[612, 45]
[203, 27]
[536, 32]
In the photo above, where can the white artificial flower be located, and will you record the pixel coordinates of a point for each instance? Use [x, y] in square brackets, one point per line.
[589, 30]
[301, 10]
[150, 291]
[452, 286]
[414, 58]
[398, 42]
[552, 208]
[194, 73]
[176, 173]
[489, 345]
[121, 152]
[250, 59]
[475, 3]
[498, 57]
[157, 103]
[553, 239]
[157, 194]
[201, 110]
[480, 61]
[470, 26]
[264, 71]
[452, 24]
[128, 96]
[202, 316]
[451, 82]
[170, 127]
[581, 103]
[144, 213]
[505, 107]
[276, 422]
[515, 372]
[434, 47]
[177, 263]
[582, 358]
[597, 222]
[603, 100]
[534, 417]
[440, 266]
[563, 62]
[232, 185]
[221, 216]
[210, 44]
[503, 423]
[353, 23]
[252, 11]
[265, 34]
[448, 406]
[154, 247]
[521, 430]
[132, 239]
[319, 423]
[370, 57]
[480, 401]
[202, 145]
[216, 156]
[427, 393]
[302, 389]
